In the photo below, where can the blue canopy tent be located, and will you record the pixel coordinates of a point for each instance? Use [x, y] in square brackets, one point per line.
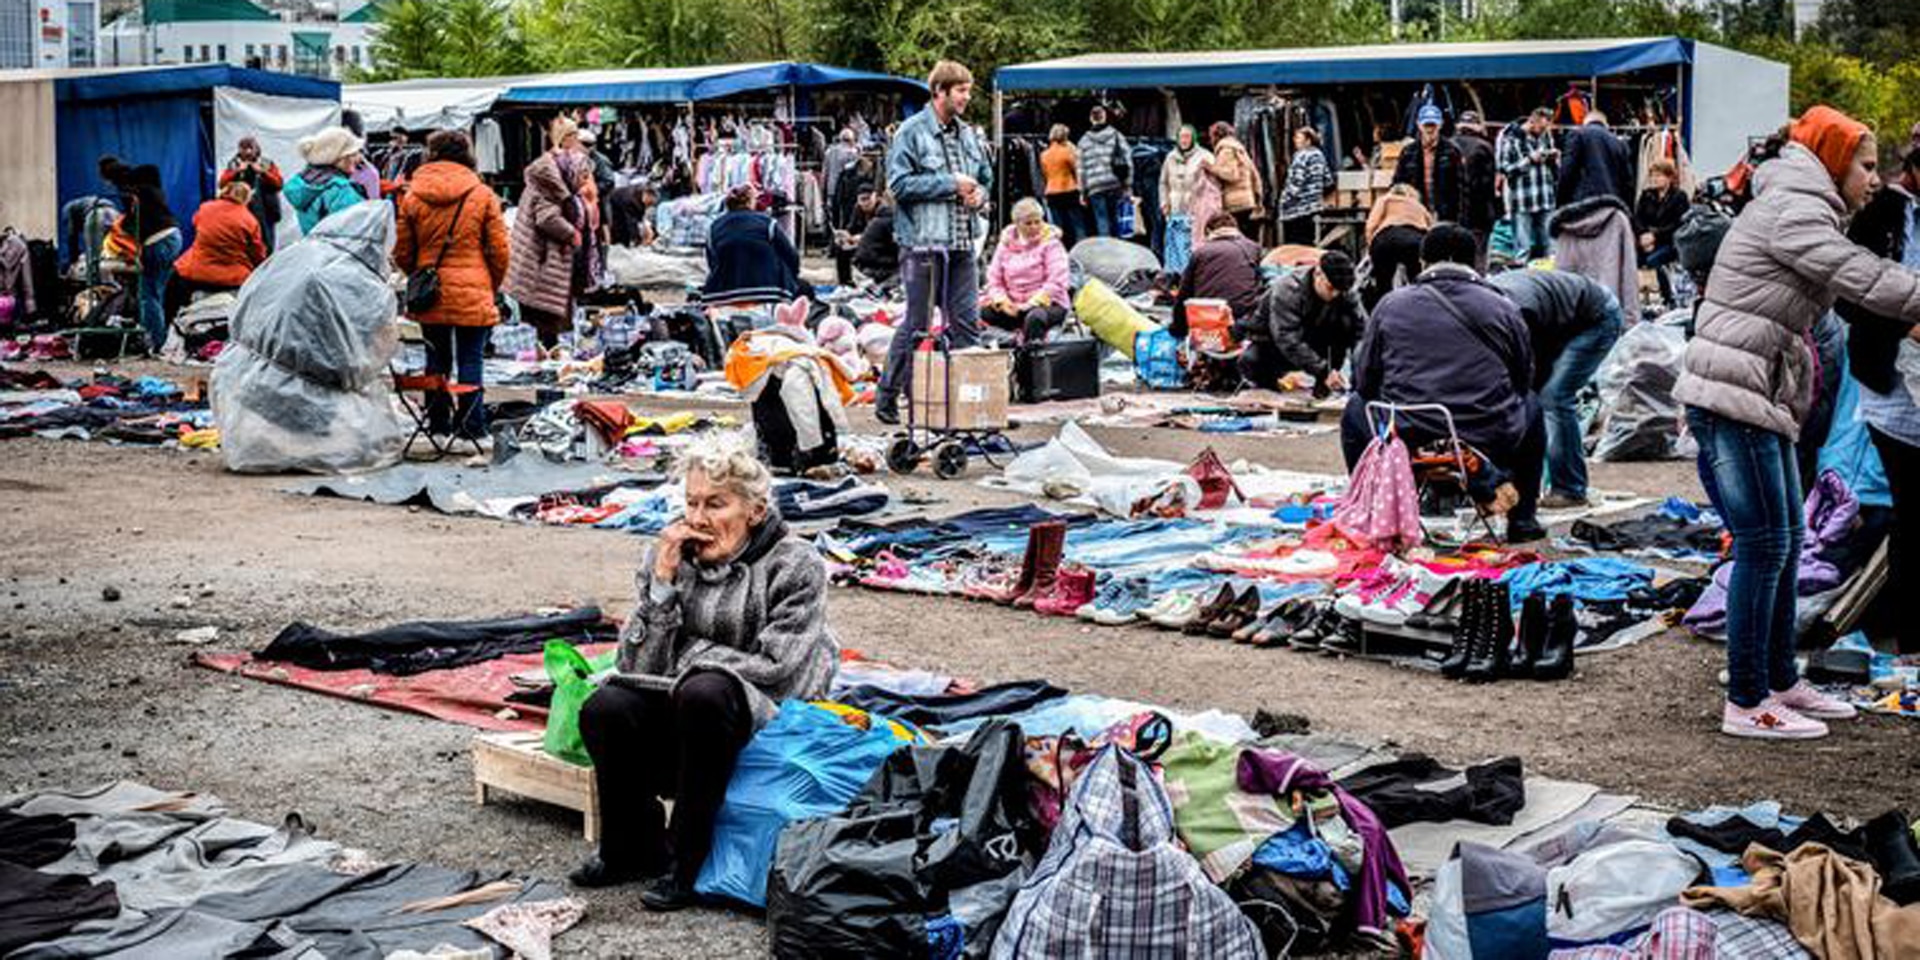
[161, 116]
[1748, 94]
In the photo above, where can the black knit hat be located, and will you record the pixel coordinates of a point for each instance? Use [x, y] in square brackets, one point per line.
[1337, 267]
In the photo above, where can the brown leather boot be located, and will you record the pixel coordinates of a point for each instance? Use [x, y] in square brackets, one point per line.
[1044, 549]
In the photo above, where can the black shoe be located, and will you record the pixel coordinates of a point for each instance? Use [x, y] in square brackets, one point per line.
[1342, 636]
[1556, 660]
[1890, 842]
[1465, 628]
[669, 893]
[1493, 642]
[1525, 531]
[1533, 635]
[886, 409]
[596, 872]
[1319, 621]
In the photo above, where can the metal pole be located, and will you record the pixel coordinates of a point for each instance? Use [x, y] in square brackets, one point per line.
[999, 154]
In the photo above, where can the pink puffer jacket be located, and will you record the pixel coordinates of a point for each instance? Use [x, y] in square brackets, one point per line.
[1022, 268]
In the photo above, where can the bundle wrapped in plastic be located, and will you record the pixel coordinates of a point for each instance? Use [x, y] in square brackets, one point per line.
[1638, 418]
[303, 384]
[1110, 260]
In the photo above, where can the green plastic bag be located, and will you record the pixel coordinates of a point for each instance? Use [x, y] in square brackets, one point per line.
[572, 684]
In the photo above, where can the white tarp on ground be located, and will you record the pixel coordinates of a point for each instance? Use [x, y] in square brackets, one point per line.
[278, 123]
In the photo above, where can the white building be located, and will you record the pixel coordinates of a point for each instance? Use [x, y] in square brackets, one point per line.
[240, 33]
[47, 34]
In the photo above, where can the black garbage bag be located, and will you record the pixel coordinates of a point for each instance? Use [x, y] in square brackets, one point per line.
[923, 863]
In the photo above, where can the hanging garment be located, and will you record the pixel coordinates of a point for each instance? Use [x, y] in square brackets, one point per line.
[1380, 508]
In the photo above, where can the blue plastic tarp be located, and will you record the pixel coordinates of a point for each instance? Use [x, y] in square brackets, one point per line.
[1364, 64]
[690, 84]
[195, 81]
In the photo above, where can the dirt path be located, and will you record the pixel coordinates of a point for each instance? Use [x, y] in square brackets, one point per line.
[92, 690]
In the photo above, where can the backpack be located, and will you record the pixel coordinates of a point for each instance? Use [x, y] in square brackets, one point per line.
[1115, 880]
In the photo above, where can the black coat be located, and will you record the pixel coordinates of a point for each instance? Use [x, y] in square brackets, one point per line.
[1482, 201]
[1449, 199]
[1881, 227]
[1661, 216]
[877, 254]
[1557, 306]
[1594, 163]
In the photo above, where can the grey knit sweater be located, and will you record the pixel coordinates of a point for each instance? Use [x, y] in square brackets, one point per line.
[761, 617]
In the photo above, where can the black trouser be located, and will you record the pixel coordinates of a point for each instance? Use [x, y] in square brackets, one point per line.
[843, 265]
[549, 325]
[1391, 249]
[1299, 231]
[1262, 365]
[1032, 323]
[648, 745]
[1902, 464]
[1524, 460]
[180, 292]
[1249, 227]
[1070, 215]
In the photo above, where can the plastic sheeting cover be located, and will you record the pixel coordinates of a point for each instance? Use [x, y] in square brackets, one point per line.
[1110, 260]
[303, 384]
[1639, 419]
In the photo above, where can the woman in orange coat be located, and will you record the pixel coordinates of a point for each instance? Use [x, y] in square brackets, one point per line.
[451, 221]
[226, 247]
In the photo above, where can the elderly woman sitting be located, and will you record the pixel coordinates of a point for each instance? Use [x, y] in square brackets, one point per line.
[1027, 280]
[732, 618]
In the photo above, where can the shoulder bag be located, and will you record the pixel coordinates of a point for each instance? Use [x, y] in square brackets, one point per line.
[423, 285]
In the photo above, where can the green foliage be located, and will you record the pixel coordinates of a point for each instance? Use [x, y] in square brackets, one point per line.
[1884, 32]
[406, 43]
[443, 38]
[1886, 99]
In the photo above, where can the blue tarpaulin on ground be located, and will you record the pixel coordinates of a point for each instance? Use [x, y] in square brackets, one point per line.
[690, 84]
[1404, 62]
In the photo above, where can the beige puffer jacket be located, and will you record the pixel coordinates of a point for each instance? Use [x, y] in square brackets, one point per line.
[1781, 267]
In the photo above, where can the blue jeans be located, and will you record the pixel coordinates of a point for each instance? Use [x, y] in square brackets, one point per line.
[1530, 233]
[462, 352]
[948, 276]
[156, 269]
[1106, 212]
[1566, 451]
[1752, 478]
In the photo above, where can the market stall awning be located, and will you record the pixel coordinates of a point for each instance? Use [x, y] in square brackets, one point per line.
[689, 84]
[437, 104]
[121, 83]
[1405, 62]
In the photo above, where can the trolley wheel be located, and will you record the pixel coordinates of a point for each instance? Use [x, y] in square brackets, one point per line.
[949, 460]
[903, 456]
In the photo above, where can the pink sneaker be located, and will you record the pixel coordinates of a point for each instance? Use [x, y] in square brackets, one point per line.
[1769, 721]
[1804, 700]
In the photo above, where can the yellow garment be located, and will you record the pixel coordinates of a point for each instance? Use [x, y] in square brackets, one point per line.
[208, 439]
[856, 717]
[1109, 316]
[756, 352]
[671, 423]
[1832, 904]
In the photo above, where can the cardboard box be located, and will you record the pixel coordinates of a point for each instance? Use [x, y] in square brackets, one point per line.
[974, 398]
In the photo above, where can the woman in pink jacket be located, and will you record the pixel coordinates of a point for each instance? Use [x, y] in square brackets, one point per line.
[1027, 280]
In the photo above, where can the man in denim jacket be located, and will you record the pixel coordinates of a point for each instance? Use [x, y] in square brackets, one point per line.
[938, 174]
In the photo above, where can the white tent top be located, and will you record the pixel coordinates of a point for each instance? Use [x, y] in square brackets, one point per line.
[424, 104]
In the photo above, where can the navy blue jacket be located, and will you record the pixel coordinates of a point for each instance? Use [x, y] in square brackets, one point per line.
[749, 261]
[1594, 163]
[1481, 370]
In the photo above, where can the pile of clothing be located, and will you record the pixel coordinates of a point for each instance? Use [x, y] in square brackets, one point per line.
[145, 410]
[126, 870]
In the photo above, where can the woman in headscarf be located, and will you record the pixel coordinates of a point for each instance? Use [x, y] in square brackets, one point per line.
[548, 231]
[1748, 380]
[1180, 177]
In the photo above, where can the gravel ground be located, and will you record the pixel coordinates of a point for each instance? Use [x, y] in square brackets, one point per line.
[93, 690]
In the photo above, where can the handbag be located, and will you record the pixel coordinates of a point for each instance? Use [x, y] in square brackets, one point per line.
[1216, 481]
[423, 285]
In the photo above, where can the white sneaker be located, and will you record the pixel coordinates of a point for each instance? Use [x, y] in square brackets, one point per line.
[1806, 701]
[1769, 721]
[1180, 610]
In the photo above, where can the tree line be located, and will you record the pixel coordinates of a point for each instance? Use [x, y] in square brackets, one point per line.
[1853, 58]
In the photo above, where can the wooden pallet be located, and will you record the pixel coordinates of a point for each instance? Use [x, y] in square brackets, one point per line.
[515, 763]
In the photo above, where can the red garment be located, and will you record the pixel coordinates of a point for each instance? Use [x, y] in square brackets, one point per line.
[1833, 136]
[226, 245]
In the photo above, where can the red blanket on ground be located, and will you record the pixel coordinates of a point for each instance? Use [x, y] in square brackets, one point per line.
[475, 695]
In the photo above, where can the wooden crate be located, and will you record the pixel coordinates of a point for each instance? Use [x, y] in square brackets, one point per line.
[515, 763]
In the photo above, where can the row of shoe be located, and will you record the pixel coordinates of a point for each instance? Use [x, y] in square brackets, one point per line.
[1487, 646]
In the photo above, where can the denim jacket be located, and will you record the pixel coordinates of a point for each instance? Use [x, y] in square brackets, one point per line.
[923, 185]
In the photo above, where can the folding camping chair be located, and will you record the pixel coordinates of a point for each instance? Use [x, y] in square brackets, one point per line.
[1443, 465]
[414, 389]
